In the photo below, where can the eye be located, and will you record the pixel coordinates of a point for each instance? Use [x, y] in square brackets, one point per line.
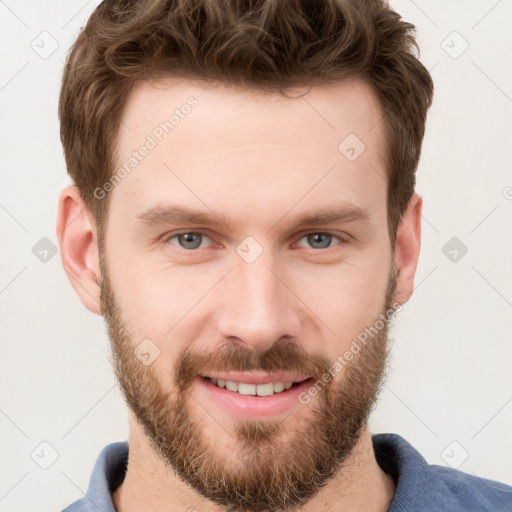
[188, 240]
[320, 240]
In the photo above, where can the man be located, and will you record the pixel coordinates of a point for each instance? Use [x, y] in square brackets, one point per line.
[243, 215]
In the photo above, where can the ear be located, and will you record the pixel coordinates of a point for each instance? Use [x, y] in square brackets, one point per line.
[407, 249]
[76, 232]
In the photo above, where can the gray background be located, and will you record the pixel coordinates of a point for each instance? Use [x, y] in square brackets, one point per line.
[449, 392]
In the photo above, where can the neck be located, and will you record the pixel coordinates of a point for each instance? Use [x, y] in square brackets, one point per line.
[150, 485]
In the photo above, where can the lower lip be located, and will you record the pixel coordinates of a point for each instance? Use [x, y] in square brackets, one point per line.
[248, 406]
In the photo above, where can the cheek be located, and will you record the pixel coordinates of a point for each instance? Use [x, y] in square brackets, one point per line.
[345, 298]
[166, 305]
[157, 292]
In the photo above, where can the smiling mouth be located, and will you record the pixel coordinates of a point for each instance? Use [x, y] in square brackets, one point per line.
[250, 389]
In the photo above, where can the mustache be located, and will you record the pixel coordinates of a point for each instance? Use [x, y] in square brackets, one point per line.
[282, 356]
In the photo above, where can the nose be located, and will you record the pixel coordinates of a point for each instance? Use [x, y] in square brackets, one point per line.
[258, 308]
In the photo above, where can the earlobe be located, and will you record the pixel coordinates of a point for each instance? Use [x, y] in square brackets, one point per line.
[76, 232]
[407, 249]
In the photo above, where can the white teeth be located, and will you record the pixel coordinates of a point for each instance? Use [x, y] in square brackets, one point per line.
[232, 386]
[278, 387]
[246, 389]
[265, 389]
[252, 389]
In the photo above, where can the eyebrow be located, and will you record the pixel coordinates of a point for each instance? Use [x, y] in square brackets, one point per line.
[179, 215]
[345, 213]
[173, 214]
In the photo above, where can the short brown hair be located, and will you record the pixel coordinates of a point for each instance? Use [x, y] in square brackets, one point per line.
[266, 45]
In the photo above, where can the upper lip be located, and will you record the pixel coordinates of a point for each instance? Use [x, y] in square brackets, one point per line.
[257, 377]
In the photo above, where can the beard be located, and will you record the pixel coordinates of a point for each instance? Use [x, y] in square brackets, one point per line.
[263, 472]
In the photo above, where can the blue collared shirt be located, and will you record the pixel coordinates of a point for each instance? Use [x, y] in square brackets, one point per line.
[420, 487]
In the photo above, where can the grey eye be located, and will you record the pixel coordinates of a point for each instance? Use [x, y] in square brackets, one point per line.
[189, 240]
[319, 240]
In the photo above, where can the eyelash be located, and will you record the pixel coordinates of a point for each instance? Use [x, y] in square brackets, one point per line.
[168, 238]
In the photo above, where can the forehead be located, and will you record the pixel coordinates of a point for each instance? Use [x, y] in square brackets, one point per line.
[325, 112]
[219, 146]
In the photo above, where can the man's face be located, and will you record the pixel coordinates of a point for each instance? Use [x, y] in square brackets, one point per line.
[258, 297]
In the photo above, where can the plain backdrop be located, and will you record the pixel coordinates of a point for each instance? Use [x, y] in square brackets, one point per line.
[450, 389]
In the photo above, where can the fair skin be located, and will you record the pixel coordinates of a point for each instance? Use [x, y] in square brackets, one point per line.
[258, 161]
